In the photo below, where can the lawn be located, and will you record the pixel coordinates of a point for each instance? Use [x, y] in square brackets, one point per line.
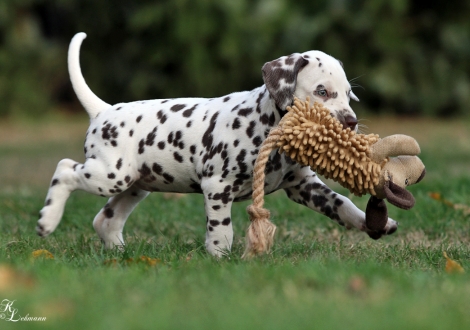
[319, 275]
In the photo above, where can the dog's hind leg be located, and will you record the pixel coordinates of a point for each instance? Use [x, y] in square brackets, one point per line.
[91, 177]
[110, 221]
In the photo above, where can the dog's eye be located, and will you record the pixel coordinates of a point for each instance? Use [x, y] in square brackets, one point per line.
[322, 93]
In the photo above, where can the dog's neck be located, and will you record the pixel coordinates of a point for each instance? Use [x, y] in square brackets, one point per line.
[266, 104]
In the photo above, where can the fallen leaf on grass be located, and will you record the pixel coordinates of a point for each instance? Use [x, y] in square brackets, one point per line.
[11, 279]
[356, 284]
[452, 266]
[148, 261]
[141, 260]
[438, 197]
[462, 207]
[42, 254]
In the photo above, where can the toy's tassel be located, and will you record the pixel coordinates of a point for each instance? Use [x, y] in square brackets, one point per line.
[260, 233]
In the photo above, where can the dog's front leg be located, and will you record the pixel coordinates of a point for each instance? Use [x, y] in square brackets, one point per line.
[218, 204]
[313, 193]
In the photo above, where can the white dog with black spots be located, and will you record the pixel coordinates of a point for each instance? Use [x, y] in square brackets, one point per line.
[199, 145]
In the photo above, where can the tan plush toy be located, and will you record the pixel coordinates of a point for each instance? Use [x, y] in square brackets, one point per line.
[361, 163]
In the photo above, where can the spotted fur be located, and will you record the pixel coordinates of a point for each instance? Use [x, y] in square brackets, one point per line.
[197, 145]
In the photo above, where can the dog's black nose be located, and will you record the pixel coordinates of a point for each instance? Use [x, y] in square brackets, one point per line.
[350, 122]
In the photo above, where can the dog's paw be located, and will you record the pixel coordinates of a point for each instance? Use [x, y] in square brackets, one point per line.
[41, 231]
[44, 227]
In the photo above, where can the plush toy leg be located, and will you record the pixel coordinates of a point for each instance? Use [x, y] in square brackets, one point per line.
[398, 196]
[376, 214]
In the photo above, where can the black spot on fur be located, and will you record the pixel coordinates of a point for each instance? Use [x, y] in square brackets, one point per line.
[161, 116]
[177, 107]
[208, 138]
[224, 196]
[178, 157]
[145, 170]
[236, 124]
[264, 119]
[161, 145]
[157, 168]
[319, 200]
[111, 176]
[189, 112]
[151, 137]
[257, 141]
[168, 177]
[214, 223]
[250, 129]
[131, 132]
[48, 202]
[138, 119]
[338, 202]
[54, 182]
[119, 163]
[245, 112]
[109, 132]
[141, 146]
[226, 221]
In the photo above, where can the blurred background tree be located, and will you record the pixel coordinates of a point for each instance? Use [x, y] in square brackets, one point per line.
[410, 57]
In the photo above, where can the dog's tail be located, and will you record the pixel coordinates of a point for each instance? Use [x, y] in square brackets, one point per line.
[92, 103]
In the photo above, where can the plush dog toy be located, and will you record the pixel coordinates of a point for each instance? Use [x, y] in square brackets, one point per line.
[361, 163]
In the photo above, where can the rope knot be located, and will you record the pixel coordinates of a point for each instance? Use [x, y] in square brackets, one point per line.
[257, 213]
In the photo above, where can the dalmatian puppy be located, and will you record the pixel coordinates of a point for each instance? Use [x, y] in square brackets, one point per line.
[198, 145]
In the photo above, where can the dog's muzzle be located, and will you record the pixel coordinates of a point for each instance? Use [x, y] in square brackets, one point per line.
[348, 121]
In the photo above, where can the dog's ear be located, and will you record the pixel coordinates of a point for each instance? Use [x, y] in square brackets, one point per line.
[398, 196]
[280, 78]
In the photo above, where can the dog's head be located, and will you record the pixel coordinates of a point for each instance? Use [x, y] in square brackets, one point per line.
[311, 74]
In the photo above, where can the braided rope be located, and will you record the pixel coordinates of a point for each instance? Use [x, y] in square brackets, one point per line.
[260, 233]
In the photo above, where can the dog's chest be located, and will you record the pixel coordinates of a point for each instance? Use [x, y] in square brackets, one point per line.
[176, 145]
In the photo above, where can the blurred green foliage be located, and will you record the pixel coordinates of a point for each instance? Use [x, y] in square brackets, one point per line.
[409, 56]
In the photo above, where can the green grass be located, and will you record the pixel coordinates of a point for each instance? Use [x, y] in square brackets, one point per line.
[319, 275]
